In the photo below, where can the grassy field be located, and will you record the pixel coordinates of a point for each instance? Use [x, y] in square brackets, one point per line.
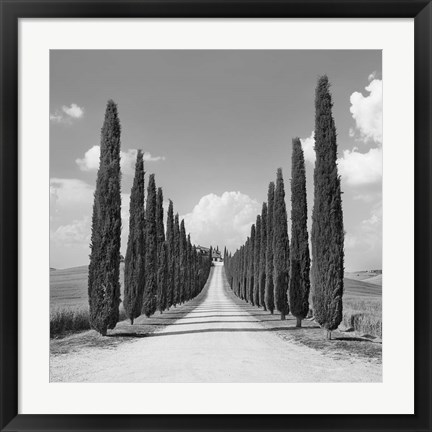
[69, 303]
[68, 287]
[365, 276]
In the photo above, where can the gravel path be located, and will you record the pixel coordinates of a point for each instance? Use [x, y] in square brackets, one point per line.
[217, 341]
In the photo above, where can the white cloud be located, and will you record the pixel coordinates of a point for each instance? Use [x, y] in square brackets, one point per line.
[370, 224]
[70, 193]
[308, 145]
[222, 220]
[90, 161]
[367, 112]
[149, 158]
[350, 241]
[70, 215]
[67, 114]
[127, 161]
[372, 76]
[355, 168]
[368, 234]
[73, 110]
[359, 169]
[77, 232]
[71, 208]
[364, 241]
[56, 118]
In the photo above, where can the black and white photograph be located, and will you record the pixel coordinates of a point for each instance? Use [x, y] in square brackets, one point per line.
[215, 216]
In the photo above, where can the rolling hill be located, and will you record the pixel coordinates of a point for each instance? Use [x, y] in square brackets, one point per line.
[68, 288]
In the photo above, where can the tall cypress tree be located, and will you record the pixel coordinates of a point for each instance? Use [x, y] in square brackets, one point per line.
[171, 255]
[300, 261]
[251, 265]
[162, 274]
[263, 255]
[256, 258]
[327, 216]
[195, 271]
[134, 260]
[189, 269]
[183, 262]
[177, 284]
[161, 297]
[151, 255]
[240, 272]
[244, 269]
[104, 266]
[280, 248]
[269, 287]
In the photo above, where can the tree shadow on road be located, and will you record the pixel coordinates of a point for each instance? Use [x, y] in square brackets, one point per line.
[209, 330]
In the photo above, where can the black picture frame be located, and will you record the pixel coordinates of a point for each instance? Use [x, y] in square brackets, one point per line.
[12, 10]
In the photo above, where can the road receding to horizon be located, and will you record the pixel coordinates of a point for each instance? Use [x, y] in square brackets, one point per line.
[215, 340]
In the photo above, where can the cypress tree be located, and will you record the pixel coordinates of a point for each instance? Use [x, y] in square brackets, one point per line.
[269, 287]
[280, 248]
[134, 260]
[151, 256]
[183, 262]
[160, 217]
[327, 217]
[210, 263]
[161, 297]
[263, 256]
[162, 273]
[238, 271]
[171, 255]
[104, 266]
[196, 282]
[244, 269]
[177, 284]
[189, 268]
[256, 258]
[251, 265]
[300, 261]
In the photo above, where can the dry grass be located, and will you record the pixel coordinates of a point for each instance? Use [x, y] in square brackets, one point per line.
[64, 321]
[364, 316]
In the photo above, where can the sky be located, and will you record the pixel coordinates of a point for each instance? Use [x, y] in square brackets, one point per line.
[214, 126]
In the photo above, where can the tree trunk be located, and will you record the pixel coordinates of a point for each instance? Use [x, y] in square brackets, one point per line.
[329, 334]
[298, 324]
[282, 316]
[132, 320]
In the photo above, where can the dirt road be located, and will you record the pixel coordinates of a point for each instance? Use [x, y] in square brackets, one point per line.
[217, 341]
